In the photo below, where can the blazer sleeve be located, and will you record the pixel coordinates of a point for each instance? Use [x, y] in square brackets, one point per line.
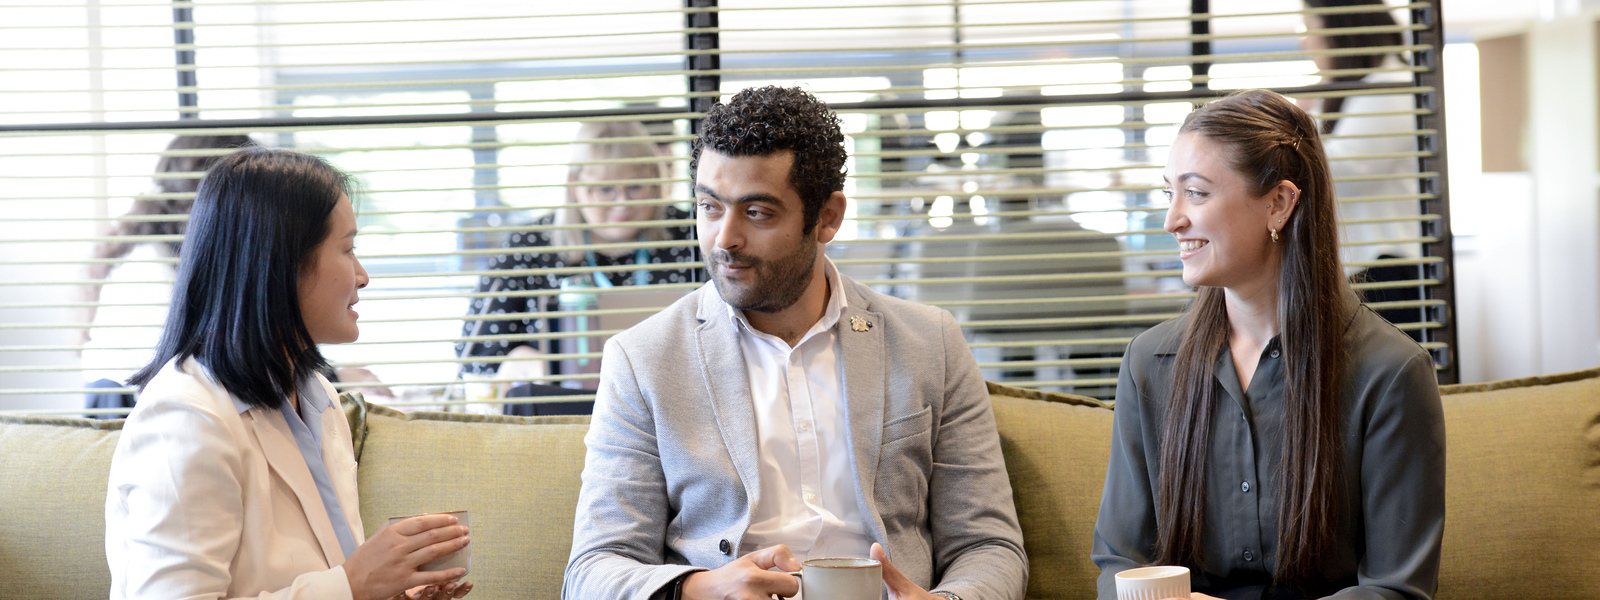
[175, 509]
[620, 528]
[977, 541]
[1402, 487]
[1125, 531]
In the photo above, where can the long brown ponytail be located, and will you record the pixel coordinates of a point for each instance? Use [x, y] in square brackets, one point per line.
[1269, 140]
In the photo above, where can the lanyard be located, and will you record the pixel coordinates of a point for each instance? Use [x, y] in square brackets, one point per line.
[640, 258]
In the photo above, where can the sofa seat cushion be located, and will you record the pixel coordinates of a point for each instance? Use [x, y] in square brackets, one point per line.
[519, 477]
[53, 497]
[1522, 488]
[1056, 448]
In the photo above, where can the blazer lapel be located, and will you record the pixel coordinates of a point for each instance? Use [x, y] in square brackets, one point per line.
[283, 455]
[338, 454]
[723, 367]
[865, 380]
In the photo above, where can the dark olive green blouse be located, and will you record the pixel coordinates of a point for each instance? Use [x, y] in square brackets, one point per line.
[1391, 509]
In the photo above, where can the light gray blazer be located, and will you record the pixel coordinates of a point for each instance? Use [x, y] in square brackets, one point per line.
[670, 475]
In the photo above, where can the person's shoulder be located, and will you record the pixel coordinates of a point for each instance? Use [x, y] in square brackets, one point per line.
[1160, 340]
[667, 328]
[686, 225]
[185, 387]
[531, 238]
[892, 308]
[674, 213]
[1371, 339]
[1378, 351]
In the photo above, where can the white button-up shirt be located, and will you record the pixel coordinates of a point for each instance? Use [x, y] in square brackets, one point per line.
[808, 488]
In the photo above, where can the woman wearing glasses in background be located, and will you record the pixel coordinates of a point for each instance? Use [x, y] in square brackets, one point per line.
[1279, 439]
[624, 167]
[235, 475]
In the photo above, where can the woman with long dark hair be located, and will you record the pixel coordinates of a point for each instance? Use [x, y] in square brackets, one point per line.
[1279, 439]
[234, 475]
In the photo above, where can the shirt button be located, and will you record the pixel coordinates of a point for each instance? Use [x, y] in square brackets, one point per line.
[1249, 556]
[811, 498]
[1244, 487]
[725, 547]
[805, 426]
[1274, 352]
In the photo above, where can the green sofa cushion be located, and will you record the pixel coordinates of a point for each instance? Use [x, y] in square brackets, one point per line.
[519, 477]
[53, 500]
[1522, 489]
[1056, 448]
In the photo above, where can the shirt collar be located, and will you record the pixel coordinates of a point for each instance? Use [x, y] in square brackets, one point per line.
[830, 315]
[311, 394]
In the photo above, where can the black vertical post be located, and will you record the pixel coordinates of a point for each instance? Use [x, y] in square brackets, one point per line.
[1200, 26]
[703, 67]
[1432, 36]
[703, 70]
[183, 34]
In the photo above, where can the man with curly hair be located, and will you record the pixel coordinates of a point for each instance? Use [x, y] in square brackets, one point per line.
[787, 412]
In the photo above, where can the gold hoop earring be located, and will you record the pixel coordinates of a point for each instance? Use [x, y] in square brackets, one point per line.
[1274, 235]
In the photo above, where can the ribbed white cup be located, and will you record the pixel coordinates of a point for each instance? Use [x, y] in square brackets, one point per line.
[1153, 583]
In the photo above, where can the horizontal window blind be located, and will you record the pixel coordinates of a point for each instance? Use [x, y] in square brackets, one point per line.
[1005, 164]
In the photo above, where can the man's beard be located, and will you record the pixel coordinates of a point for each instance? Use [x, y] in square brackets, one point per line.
[775, 284]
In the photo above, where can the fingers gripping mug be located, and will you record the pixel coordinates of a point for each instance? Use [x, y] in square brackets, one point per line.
[840, 579]
[461, 558]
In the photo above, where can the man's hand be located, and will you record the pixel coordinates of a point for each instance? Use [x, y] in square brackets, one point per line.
[900, 586]
[747, 578]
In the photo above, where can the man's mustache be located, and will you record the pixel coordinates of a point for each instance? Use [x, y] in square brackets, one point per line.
[723, 257]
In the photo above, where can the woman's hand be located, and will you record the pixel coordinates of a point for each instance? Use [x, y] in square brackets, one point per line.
[386, 566]
[354, 374]
[532, 367]
[433, 592]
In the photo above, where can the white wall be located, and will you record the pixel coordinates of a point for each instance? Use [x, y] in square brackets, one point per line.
[1563, 157]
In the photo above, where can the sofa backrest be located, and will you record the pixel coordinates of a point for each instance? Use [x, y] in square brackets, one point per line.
[518, 476]
[53, 474]
[1523, 490]
[1056, 448]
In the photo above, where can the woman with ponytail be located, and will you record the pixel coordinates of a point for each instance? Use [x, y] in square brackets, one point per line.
[1279, 439]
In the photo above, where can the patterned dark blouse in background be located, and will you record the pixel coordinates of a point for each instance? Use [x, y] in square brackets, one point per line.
[539, 259]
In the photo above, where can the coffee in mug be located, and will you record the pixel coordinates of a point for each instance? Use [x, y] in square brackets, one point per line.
[461, 558]
[840, 579]
[1153, 583]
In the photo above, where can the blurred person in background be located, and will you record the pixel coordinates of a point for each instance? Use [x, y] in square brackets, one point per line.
[132, 301]
[1368, 242]
[127, 310]
[631, 169]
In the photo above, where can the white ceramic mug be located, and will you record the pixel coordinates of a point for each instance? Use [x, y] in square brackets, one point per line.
[461, 558]
[1153, 583]
[840, 579]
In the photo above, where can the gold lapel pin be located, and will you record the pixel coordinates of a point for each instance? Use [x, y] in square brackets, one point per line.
[858, 323]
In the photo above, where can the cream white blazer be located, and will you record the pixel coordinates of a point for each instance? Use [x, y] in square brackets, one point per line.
[209, 501]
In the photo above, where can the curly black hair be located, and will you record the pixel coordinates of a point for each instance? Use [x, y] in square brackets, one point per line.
[760, 121]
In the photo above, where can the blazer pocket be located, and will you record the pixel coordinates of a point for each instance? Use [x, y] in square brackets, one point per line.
[920, 422]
